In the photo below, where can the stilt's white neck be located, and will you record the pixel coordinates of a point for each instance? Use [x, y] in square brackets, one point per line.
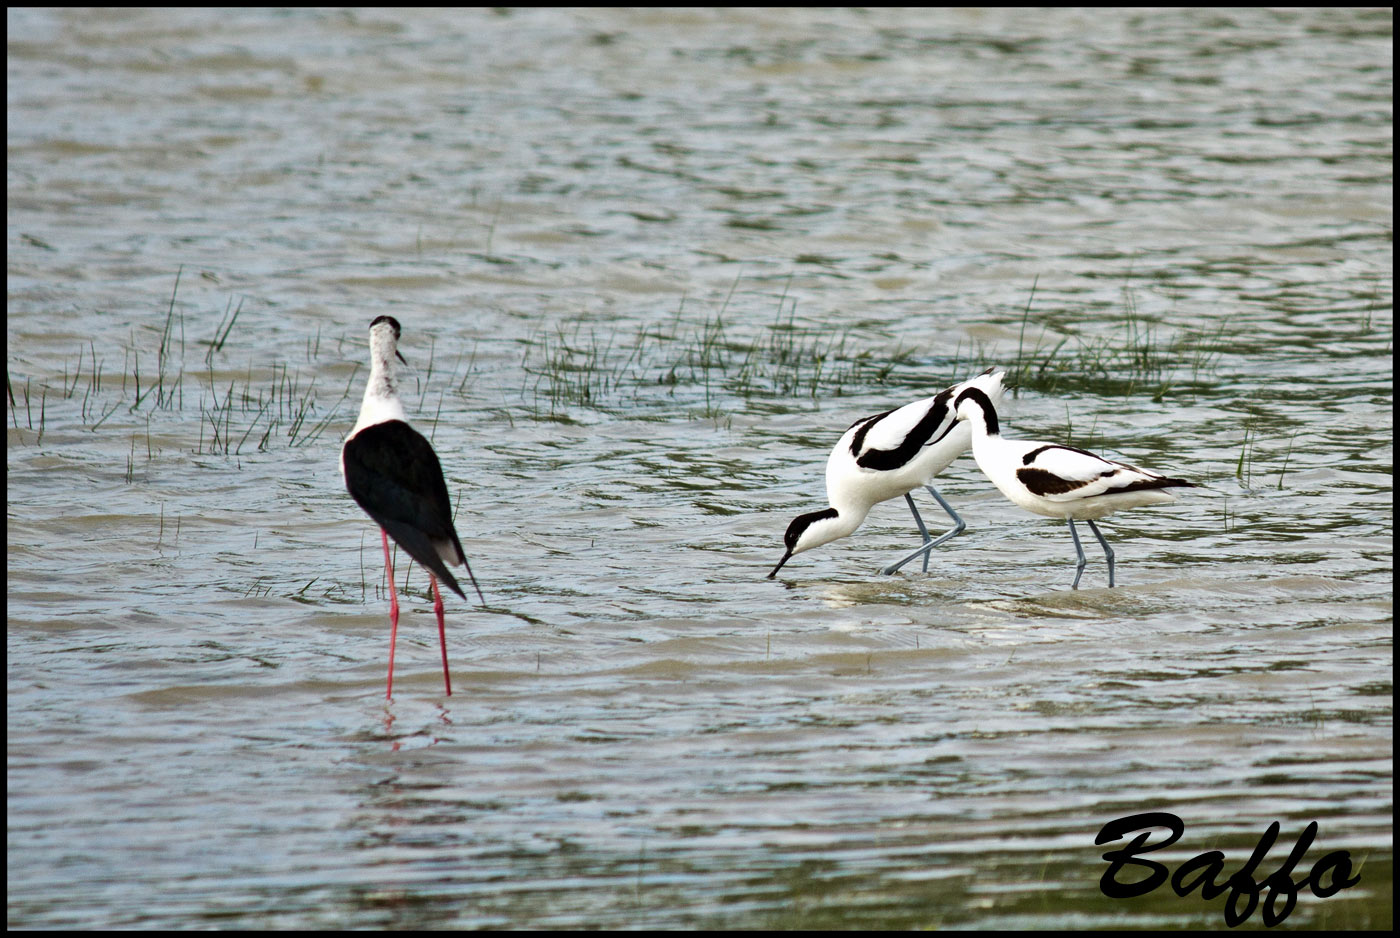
[381, 401]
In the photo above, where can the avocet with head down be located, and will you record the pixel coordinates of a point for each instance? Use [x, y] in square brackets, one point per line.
[884, 457]
[1058, 481]
[394, 475]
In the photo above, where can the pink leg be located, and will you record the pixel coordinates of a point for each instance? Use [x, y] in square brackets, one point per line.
[442, 632]
[393, 614]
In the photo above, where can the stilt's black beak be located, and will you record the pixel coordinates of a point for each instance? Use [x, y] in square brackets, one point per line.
[400, 355]
[780, 564]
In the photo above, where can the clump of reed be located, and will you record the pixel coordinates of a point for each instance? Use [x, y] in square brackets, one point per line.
[262, 406]
[1136, 358]
[713, 365]
[281, 403]
[1246, 466]
[720, 362]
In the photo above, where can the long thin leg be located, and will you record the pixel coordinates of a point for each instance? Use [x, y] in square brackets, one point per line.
[1107, 551]
[919, 523]
[393, 614]
[1078, 570]
[929, 543]
[442, 632]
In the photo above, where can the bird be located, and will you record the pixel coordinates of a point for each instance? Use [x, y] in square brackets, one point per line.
[392, 472]
[885, 456]
[1059, 481]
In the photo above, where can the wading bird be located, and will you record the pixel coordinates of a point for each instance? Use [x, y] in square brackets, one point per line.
[394, 475]
[884, 457]
[1058, 481]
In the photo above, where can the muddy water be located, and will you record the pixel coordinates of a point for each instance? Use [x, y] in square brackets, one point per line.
[649, 264]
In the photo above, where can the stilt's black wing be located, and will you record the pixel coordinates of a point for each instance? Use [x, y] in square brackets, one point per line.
[394, 475]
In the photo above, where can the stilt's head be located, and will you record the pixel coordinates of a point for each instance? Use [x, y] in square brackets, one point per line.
[974, 406]
[815, 529]
[381, 402]
[384, 335]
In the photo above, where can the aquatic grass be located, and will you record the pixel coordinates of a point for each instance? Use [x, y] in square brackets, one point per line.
[791, 360]
[470, 371]
[1250, 445]
[103, 419]
[786, 360]
[1245, 464]
[319, 428]
[256, 589]
[433, 424]
[221, 333]
[715, 363]
[215, 415]
[1085, 442]
[1286, 456]
[363, 588]
[94, 387]
[1018, 374]
[164, 351]
[979, 355]
[28, 406]
[313, 344]
[77, 375]
[426, 379]
[10, 390]
[257, 409]
[278, 401]
[160, 534]
[1134, 358]
[1373, 301]
[572, 369]
[246, 433]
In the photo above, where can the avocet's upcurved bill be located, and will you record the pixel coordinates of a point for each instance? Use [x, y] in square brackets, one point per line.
[394, 475]
[1059, 481]
[885, 456]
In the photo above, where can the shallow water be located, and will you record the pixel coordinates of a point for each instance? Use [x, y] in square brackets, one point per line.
[649, 264]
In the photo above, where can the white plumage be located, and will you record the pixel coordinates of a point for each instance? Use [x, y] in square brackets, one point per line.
[886, 456]
[1058, 481]
[392, 472]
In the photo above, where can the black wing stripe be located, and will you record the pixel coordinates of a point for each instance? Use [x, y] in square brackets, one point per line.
[1029, 458]
[1043, 482]
[885, 460]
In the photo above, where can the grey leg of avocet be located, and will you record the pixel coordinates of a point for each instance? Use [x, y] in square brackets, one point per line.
[929, 543]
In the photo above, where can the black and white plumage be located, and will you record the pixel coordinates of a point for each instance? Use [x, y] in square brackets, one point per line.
[1059, 481]
[884, 457]
[394, 475]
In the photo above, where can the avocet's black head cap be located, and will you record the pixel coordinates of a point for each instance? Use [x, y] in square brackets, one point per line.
[989, 411]
[794, 533]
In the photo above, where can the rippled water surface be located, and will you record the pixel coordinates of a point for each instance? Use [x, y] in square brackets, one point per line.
[649, 265]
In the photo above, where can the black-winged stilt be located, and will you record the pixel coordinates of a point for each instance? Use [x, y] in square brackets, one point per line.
[394, 475]
[1059, 481]
[885, 456]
